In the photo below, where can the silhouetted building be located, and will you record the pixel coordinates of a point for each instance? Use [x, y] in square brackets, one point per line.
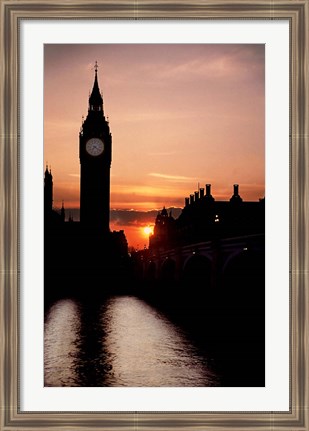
[205, 219]
[85, 249]
[48, 191]
[52, 217]
[164, 230]
[95, 154]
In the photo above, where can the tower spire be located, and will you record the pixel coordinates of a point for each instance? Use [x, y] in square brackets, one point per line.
[95, 99]
[62, 212]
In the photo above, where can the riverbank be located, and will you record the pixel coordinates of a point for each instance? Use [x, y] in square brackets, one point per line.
[232, 333]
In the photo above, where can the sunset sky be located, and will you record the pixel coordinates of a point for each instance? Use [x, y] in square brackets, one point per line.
[180, 115]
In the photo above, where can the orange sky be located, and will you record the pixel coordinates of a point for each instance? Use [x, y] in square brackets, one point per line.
[179, 115]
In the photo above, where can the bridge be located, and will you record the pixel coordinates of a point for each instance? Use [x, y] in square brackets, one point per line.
[215, 290]
[209, 263]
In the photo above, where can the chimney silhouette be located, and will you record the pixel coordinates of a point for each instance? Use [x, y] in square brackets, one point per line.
[208, 186]
[236, 197]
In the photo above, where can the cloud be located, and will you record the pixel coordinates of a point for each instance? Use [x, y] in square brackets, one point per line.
[120, 218]
[146, 203]
[172, 177]
[225, 62]
[137, 218]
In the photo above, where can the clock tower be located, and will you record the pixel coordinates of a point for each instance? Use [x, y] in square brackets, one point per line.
[95, 155]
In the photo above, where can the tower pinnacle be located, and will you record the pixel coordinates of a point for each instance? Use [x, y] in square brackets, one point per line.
[95, 99]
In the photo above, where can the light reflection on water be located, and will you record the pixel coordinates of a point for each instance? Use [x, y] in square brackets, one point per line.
[121, 342]
[61, 331]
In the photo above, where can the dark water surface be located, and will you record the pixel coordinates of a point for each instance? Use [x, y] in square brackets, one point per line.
[120, 341]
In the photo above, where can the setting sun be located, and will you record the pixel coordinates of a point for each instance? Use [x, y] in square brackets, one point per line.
[147, 230]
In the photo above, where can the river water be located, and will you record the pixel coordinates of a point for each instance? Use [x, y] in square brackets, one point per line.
[119, 341]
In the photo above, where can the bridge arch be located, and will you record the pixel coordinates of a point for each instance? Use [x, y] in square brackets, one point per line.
[151, 271]
[168, 270]
[197, 274]
[243, 281]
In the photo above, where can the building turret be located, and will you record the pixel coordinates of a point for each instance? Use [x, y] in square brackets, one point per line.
[48, 191]
[164, 212]
[62, 212]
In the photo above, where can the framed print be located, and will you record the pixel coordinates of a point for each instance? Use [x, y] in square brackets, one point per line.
[149, 150]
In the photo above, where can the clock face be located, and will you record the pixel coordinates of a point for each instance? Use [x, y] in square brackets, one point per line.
[95, 146]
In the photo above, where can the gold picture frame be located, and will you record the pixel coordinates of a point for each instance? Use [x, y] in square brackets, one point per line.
[11, 12]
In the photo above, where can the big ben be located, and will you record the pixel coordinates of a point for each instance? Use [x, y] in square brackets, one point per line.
[95, 154]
